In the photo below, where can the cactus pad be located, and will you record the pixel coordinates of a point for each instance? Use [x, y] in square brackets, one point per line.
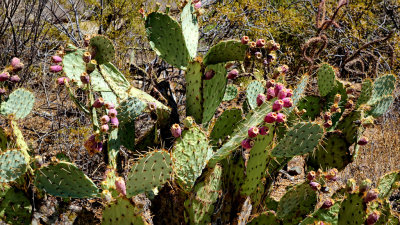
[231, 92]
[298, 201]
[224, 51]
[382, 86]
[299, 140]
[348, 125]
[149, 172]
[225, 124]
[300, 89]
[327, 215]
[126, 134]
[102, 49]
[115, 80]
[64, 179]
[12, 165]
[380, 107]
[252, 91]
[386, 182]
[19, 102]
[333, 153]
[352, 210]
[326, 79]
[190, 154]
[313, 106]
[122, 212]
[213, 91]
[366, 92]
[194, 97]
[200, 206]
[265, 218]
[190, 29]
[129, 109]
[166, 39]
[15, 207]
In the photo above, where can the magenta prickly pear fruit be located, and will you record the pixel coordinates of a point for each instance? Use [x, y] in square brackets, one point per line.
[332, 174]
[2, 91]
[85, 78]
[258, 55]
[98, 103]
[232, 74]
[56, 68]
[371, 195]
[260, 43]
[247, 143]
[287, 102]
[253, 132]
[197, 5]
[335, 108]
[104, 119]
[109, 105]
[4, 76]
[209, 75]
[92, 145]
[56, 59]
[15, 61]
[278, 88]
[311, 175]
[315, 186]
[327, 204]
[62, 80]
[337, 99]
[87, 57]
[261, 99]
[104, 128]
[328, 124]
[327, 116]
[272, 45]
[114, 122]
[252, 44]
[245, 40]
[373, 218]
[270, 117]
[270, 93]
[176, 130]
[289, 92]
[270, 83]
[280, 118]
[120, 185]
[112, 113]
[263, 130]
[277, 106]
[350, 90]
[282, 94]
[363, 141]
[15, 79]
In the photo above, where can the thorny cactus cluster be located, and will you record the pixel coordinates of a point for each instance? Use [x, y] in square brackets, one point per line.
[221, 170]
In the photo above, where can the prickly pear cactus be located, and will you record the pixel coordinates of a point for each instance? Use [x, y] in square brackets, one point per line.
[366, 92]
[115, 80]
[129, 109]
[101, 49]
[194, 97]
[149, 172]
[327, 215]
[349, 125]
[352, 210]
[190, 154]
[299, 91]
[252, 91]
[382, 87]
[268, 217]
[231, 92]
[15, 206]
[312, 105]
[224, 51]
[64, 179]
[326, 79]
[190, 28]
[12, 165]
[122, 212]
[225, 125]
[19, 103]
[379, 107]
[386, 183]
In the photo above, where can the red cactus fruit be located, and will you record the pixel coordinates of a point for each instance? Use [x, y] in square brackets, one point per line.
[373, 218]
[282, 94]
[277, 106]
[120, 185]
[270, 117]
[270, 93]
[258, 55]
[112, 113]
[289, 92]
[56, 59]
[105, 119]
[109, 105]
[281, 118]
[263, 130]
[209, 75]
[114, 122]
[278, 88]
[327, 116]
[15, 79]
[98, 103]
[104, 128]
[315, 186]
[253, 132]
[260, 43]
[56, 68]
[261, 99]
[311, 175]
[232, 74]
[247, 143]
[62, 80]
[4, 76]
[328, 124]
[371, 195]
[176, 130]
[363, 141]
[85, 78]
[327, 204]
[287, 102]
[245, 40]
[87, 57]
[271, 83]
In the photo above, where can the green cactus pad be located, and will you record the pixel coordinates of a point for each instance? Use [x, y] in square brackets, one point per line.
[129, 109]
[299, 140]
[387, 217]
[231, 92]
[366, 92]
[20, 103]
[122, 212]
[333, 153]
[252, 91]
[382, 86]
[386, 182]
[213, 91]
[149, 172]
[234, 172]
[190, 155]
[115, 80]
[298, 201]
[225, 125]
[12, 165]
[253, 119]
[102, 48]
[337, 89]
[327, 215]
[194, 97]
[64, 179]
[381, 106]
[225, 51]
[15, 207]
[299, 91]
[265, 218]
[166, 39]
[349, 125]
[190, 28]
[200, 205]
[109, 96]
[326, 79]
[19, 140]
[126, 134]
[114, 145]
[313, 106]
[257, 163]
[352, 210]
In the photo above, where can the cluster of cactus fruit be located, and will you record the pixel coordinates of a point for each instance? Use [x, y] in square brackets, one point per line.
[224, 166]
